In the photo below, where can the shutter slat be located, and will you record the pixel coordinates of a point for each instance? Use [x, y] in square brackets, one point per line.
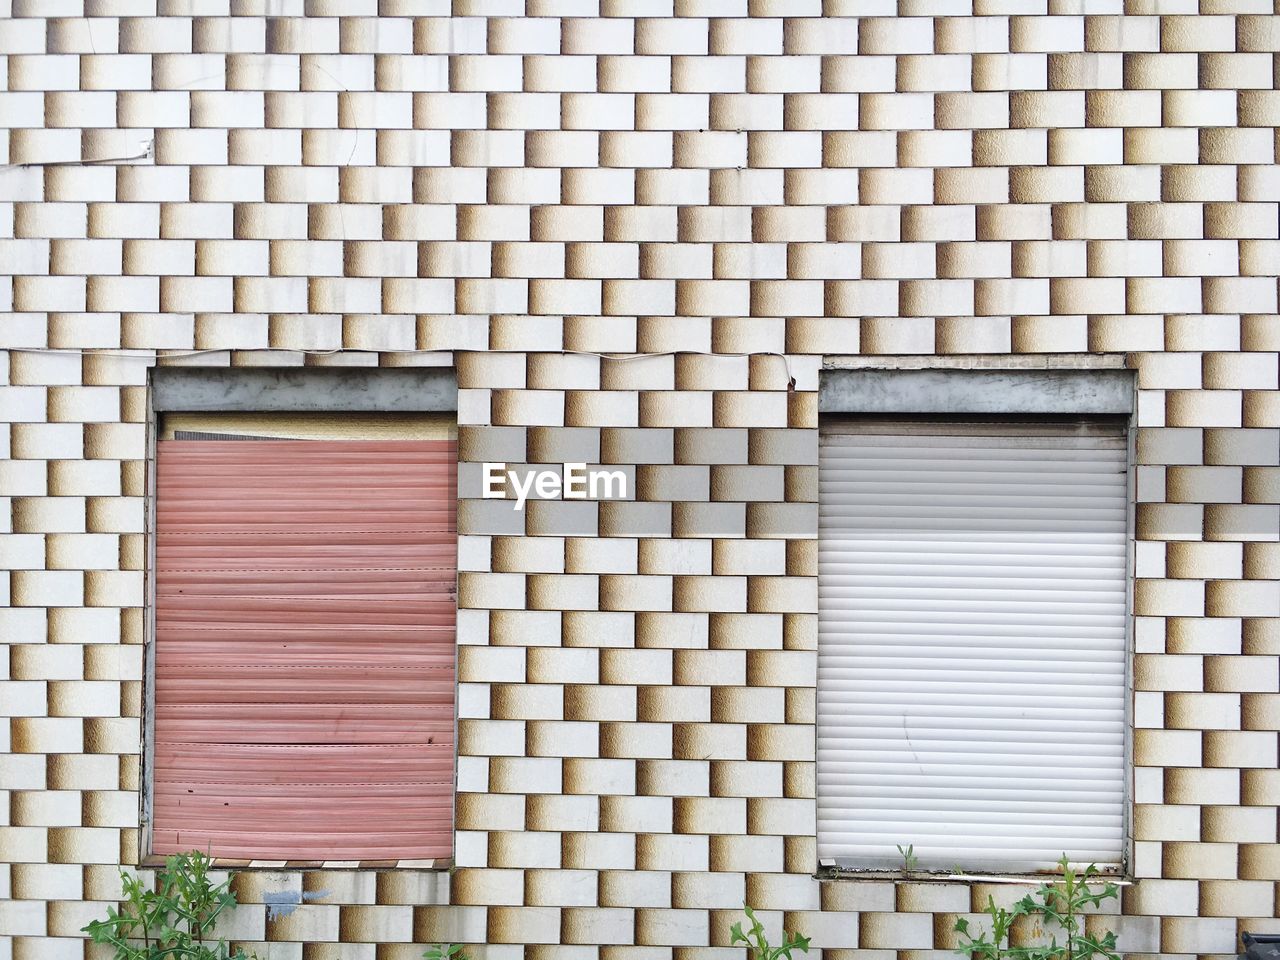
[971, 644]
[305, 649]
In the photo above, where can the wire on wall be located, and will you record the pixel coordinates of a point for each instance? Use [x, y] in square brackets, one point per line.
[153, 355]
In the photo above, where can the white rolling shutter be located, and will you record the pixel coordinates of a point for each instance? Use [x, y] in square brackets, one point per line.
[971, 643]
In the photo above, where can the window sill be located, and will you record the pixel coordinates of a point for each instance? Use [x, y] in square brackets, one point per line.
[925, 876]
[440, 864]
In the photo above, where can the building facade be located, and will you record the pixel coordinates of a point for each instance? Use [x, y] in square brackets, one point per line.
[648, 233]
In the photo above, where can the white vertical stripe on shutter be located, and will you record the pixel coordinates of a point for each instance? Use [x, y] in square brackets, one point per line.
[971, 643]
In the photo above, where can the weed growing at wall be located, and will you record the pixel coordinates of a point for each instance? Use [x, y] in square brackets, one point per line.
[1056, 909]
[757, 944]
[909, 859]
[174, 918]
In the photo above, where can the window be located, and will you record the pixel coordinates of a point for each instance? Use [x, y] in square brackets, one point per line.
[972, 651]
[304, 610]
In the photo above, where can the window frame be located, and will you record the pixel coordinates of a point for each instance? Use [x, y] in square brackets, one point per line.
[288, 390]
[934, 391]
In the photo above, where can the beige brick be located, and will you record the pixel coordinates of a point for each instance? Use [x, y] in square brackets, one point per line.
[1153, 672]
[1237, 824]
[1202, 711]
[876, 930]
[1241, 674]
[1167, 748]
[1236, 748]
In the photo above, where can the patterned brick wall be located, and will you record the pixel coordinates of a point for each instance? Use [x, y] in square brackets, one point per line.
[511, 186]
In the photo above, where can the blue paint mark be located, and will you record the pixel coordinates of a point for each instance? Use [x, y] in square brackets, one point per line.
[281, 903]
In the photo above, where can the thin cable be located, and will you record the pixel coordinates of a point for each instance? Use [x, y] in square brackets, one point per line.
[146, 152]
[786, 360]
[140, 354]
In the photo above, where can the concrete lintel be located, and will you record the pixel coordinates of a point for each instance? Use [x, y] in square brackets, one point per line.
[305, 389]
[1049, 392]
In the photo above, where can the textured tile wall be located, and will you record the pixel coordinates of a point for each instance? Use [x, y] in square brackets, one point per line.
[498, 184]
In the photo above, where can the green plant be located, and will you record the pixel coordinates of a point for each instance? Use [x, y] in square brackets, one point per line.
[1056, 908]
[909, 859]
[173, 919]
[988, 946]
[445, 951]
[757, 943]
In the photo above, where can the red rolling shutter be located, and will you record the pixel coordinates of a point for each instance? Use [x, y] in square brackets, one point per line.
[304, 668]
